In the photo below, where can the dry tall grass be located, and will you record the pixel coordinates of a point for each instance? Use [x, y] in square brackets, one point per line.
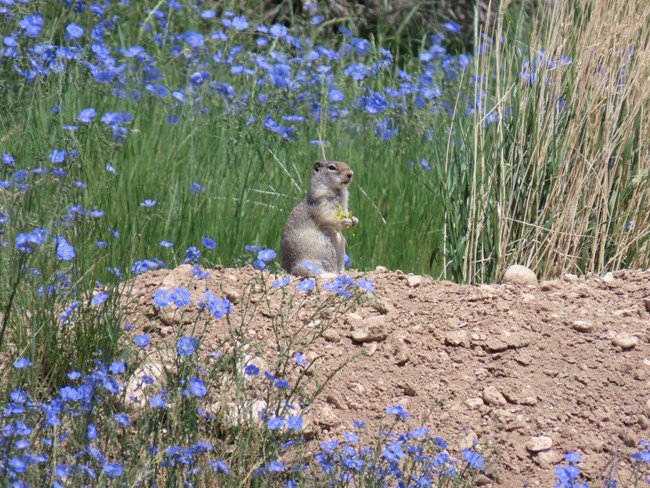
[562, 181]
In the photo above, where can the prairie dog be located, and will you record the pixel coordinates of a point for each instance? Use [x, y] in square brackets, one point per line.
[313, 229]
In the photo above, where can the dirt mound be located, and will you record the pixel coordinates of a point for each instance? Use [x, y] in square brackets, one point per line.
[530, 372]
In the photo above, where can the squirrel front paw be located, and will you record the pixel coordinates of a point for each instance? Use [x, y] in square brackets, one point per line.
[351, 222]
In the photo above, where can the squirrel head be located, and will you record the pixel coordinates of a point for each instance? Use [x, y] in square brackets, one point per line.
[334, 174]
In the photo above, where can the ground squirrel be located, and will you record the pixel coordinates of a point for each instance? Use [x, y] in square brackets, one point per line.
[313, 229]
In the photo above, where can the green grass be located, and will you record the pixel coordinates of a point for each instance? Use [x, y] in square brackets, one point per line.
[464, 220]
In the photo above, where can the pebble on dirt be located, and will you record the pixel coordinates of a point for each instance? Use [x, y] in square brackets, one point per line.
[625, 341]
[519, 275]
[539, 443]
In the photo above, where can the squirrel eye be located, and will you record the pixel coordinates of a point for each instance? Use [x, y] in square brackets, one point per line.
[331, 167]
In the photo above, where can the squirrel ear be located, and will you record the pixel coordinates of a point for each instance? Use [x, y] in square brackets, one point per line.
[317, 165]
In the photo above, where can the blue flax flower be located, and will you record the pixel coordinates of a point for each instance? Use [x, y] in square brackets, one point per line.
[186, 346]
[199, 273]
[180, 297]
[294, 422]
[281, 283]
[368, 285]
[196, 188]
[122, 419]
[87, 115]
[239, 23]
[218, 307]
[266, 255]
[568, 477]
[219, 466]
[158, 402]
[142, 340]
[275, 423]
[399, 411]
[452, 26]
[99, 298]
[251, 370]
[22, 363]
[306, 285]
[300, 359]
[209, 243]
[197, 387]
[162, 298]
[32, 25]
[192, 254]
[276, 467]
[64, 250]
[113, 470]
[74, 31]
[474, 459]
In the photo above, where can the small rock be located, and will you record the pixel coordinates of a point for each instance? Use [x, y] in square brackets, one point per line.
[628, 437]
[381, 269]
[457, 338]
[331, 335]
[371, 333]
[609, 277]
[381, 307]
[353, 318]
[519, 275]
[482, 480]
[494, 344]
[372, 329]
[582, 326]
[233, 296]
[408, 389]
[491, 470]
[414, 281]
[596, 445]
[529, 400]
[570, 277]
[467, 440]
[401, 355]
[515, 340]
[371, 348]
[546, 459]
[336, 400]
[516, 423]
[643, 422]
[625, 341]
[474, 403]
[540, 443]
[646, 302]
[492, 396]
[640, 374]
[326, 417]
[520, 395]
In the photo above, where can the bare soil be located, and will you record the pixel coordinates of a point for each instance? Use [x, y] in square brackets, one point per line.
[493, 365]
